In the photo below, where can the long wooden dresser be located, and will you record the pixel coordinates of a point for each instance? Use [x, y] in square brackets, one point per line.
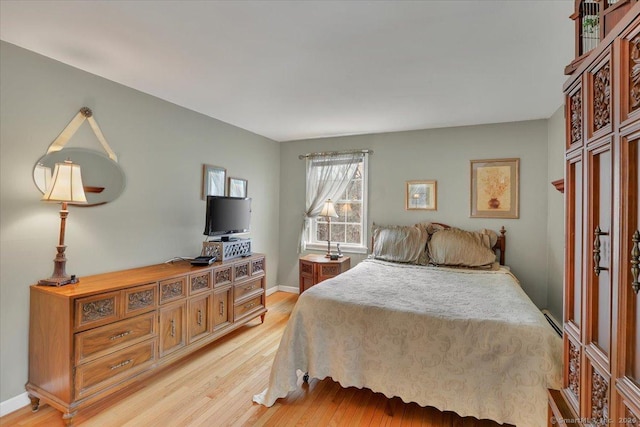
[91, 340]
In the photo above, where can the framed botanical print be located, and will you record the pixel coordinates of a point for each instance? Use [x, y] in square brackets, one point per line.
[213, 181]
[494, 188]
[421, 195]
[237, 187]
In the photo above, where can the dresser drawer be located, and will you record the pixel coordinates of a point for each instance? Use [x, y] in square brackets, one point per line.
[106, 339]
[241, 271]
[112, 369]
[247, 307]
[242, 290]
[97, 310]
[258, 267]
[200, 282]
[222, 276]
[173, 289]
[140, 299]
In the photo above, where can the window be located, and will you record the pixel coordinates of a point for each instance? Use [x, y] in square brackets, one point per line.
[349, 229]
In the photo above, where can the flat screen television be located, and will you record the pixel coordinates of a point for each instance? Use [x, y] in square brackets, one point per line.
[227, 216]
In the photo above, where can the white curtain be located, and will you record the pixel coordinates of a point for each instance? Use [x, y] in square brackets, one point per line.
[327, 178]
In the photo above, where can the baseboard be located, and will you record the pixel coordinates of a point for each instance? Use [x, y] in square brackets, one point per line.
[13, 404]
[289, 289]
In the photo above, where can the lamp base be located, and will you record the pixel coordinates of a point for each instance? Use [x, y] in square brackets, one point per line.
[60, 276]
[59, 281]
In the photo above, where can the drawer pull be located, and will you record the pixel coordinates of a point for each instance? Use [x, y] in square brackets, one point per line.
[123, 334]
[248, 306]
[121, 364]
[221, 308]
[173, 327]
[199, 317]
[248, 288]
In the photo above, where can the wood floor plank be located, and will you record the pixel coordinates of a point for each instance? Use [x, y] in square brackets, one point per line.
[215, 385]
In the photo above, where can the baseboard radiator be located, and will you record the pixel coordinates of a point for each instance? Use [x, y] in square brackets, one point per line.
[553, 322]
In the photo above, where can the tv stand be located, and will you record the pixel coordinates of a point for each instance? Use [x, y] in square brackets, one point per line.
[225, 250]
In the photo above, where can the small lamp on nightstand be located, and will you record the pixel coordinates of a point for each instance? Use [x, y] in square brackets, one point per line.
[329, 211]
[66, 187]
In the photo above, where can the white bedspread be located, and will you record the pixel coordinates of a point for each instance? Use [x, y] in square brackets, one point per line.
[459, 340]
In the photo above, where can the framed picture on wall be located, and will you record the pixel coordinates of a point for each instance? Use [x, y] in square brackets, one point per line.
[213, 181]
[237, 187]
[494, 188]
[421, 195]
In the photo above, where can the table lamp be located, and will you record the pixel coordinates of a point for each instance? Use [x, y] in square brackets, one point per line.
[329, 211]
[66, 187]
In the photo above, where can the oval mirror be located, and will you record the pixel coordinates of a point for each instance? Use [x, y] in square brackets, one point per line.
[103, 179]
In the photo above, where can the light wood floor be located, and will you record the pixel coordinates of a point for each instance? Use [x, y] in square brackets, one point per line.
[214, 387]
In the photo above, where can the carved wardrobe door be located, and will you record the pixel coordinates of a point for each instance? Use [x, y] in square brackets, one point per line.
[626, 396]
[627, 372]
[574, 252]
[598, 296]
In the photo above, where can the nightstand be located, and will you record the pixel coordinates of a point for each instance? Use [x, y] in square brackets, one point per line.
[316, 268]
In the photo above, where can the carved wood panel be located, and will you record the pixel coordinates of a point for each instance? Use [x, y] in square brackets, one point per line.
[223, 276]
[634, 74]
[574, 370]
[97, 310]
[200, 283]
[575, 110]
[330, 270]
[602, 97]
[306, 268]
[173, 289]
[242, 270]
[257, 266]
[599, 399]
[140, 300]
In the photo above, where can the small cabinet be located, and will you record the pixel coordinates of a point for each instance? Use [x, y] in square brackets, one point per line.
[199, 320]
[315, 268]
[172, 327]
[222, 301]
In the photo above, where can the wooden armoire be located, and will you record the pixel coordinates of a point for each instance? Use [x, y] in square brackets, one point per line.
[601, 385]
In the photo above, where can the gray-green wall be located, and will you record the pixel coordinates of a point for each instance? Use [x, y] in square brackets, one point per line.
[443, 155]
[555, 217]
[160, 215]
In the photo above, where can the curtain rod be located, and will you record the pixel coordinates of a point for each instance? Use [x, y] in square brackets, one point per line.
[328, 153]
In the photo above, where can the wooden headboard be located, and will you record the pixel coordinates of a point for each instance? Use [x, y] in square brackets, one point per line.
[500, 246]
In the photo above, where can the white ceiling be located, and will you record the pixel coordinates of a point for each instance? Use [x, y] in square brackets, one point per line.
[292, 70]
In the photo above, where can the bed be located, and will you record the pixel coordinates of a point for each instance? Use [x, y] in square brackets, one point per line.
[462, 339]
